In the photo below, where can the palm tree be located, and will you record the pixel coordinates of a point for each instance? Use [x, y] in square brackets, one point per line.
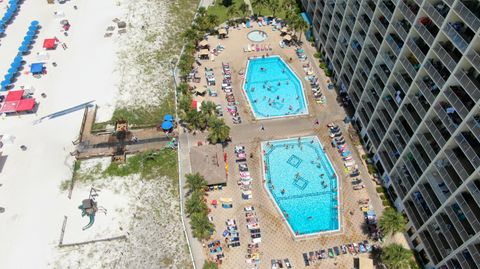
[218, 131]
[302, 26]
[195, 204]
[191, 35]
[208, 108]
[244, 9]
[195, 120]
[201, 226]
[395, 256]
[233, 11]
[391, 222]
[212, 21]
[273, 5]
[259, 4]
[195, 182]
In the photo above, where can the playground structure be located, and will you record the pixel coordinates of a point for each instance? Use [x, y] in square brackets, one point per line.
[89, 208]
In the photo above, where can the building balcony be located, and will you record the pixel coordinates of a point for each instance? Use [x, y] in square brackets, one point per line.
[371, 53]
[410, 64]
[468, 149]
[448, 54]
[376, 40]
[395, 43]
[437, 72]
[389, 59]
[369, 7]
[408, 9]
[470, 80]
[404, 80]
[418, 106]
[448, 228]
[410, 120]
[474, 57]
[387, 8]
[469, 11]
[425, 90]
[435, 133]
[437, 12]
[474, 126]
[460, 100]
[462, 226]
[402, 27]
[427, 30]
[383, 72]
[364, 22]
[427, 146]
[381, 24]
[459, 34]
[418, 47]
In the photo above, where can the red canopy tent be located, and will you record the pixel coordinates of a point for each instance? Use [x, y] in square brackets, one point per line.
[194, 104]
[15, 103]
[49, 43]
[14, 95]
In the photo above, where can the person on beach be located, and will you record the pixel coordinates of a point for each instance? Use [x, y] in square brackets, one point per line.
[262, 128]
[316, 122]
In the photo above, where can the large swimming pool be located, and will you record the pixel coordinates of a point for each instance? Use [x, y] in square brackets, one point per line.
[302, 182]
[272, 89]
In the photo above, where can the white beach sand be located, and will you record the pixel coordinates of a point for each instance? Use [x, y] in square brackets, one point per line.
[88, 70]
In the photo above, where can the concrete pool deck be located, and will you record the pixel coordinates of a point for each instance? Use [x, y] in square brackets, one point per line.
[277, 241]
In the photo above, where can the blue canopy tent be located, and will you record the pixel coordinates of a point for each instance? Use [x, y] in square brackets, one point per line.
[167, 125]
[36, 68]
[168, 117]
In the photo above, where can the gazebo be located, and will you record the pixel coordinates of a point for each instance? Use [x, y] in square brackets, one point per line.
[222, 33]
[204, 54]
[14, 103]
[287, 38]
[203, 44]
[36, 68]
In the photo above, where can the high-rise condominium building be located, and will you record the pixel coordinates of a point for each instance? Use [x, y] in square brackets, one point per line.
[412, 71]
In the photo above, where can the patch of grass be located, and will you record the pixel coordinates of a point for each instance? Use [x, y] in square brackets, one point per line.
[148, 164]
[143, 116]
[221, 11]
[281, 12]
[380, 189]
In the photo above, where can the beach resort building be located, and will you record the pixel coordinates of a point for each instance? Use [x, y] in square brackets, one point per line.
[411, 69]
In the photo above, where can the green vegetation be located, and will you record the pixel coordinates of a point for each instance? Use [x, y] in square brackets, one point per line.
[277, 8]
[148, 164]
[391, 222]
[225, 12]
[371, 169]
[210, 265]
[196, 206]
[395, 256]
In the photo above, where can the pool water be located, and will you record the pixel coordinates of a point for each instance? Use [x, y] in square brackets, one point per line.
[257, 36]
[303, 183]
[272, 89]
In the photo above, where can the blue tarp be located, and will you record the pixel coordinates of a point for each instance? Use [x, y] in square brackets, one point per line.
[168, 117]
[167, 125]
[36, 68]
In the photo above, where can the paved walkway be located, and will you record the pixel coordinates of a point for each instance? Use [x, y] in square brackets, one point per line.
[276, 241]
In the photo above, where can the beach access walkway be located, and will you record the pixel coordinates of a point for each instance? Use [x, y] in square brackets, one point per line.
[90, 144]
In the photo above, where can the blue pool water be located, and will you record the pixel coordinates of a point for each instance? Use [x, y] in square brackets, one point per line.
[303, 183]
[273, 90]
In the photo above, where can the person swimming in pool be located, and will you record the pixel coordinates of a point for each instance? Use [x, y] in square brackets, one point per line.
[310, 217]
[288, 82]
[252, 89]
[282, 191]
[279, 83]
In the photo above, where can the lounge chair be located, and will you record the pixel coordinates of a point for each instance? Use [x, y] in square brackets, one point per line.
[305, 259]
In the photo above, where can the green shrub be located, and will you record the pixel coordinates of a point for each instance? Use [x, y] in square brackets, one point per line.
[371, 169]
[380, 189]
[323, 65]
[317, 55]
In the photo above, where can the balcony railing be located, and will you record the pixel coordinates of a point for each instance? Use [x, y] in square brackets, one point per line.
[467, 16]
[425, 90]
[415, 49]
[456, 102]
[424, 33]
[420, 110]
[456, 164]
[400, 30]
[434, 74]
[408, 66]
[393, 45]
[368, 10]
[433, 13]
[474, 57]
[413, 124]
[364, 25]
[375, 41]
[385, 10]
[468, 150]
[474, 127]
[369, 53]
[456, 38]
[403, 83]
[406, 11]
[442, 114]
[380, 26]
[445, 57]
[467, 83]
[431, 154]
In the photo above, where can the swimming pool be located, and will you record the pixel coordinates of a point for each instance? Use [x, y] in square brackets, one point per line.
[302, 182]
[273, 90]
[257, 36]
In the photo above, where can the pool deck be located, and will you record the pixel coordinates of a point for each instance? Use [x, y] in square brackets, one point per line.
[277, 241]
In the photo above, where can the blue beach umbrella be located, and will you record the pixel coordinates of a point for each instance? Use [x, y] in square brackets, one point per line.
[12, 70]
[23, 49]
[167, 125]
[31, 33]
[32, 28]
[4, 84]
[168, 117]
[34, 23]
[25, 43]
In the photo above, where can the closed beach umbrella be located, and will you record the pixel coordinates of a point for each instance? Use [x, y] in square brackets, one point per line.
[167, 125]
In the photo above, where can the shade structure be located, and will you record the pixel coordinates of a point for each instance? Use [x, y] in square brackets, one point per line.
[18, 59]
[36, 68]
[18, 106]
[222, 31]
[203, 43]
[12, 70]
[214, 202]
[23, 49]
[31, 33]
[32, 28]
[14, 96]
[4, 84]
[168, 117]
[204, 52]
[287, 38]
[25, 43]
[49, 43]
[167, 125]
[284, 30]
[34, 23]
